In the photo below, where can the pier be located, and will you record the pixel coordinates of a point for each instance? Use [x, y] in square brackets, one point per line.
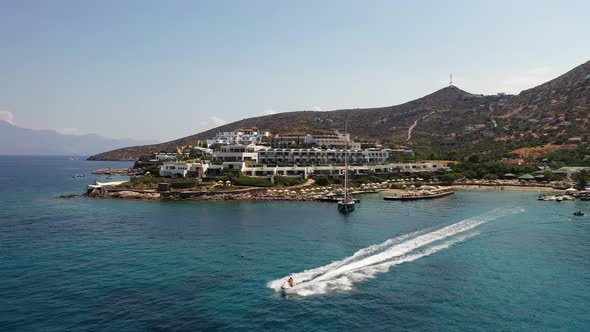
[413, 196]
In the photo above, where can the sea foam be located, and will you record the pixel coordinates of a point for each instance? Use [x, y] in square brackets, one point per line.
[367, 262]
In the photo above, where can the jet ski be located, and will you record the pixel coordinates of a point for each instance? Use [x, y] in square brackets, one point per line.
[578, 213]
[286, 288]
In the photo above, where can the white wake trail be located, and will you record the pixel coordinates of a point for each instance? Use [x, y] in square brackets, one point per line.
[367, 262]
[310, 274]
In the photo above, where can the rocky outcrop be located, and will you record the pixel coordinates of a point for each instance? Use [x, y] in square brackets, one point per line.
[124, 194]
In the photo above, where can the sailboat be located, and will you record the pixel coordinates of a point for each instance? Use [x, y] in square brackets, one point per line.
[347, 204]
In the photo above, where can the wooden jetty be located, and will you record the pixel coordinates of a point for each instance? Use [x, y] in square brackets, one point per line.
[415, 197]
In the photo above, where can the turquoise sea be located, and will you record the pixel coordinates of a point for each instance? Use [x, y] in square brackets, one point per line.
[478, 260]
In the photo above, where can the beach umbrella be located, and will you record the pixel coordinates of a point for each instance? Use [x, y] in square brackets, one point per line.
[571, 190]
[509, 175]
[526, 177]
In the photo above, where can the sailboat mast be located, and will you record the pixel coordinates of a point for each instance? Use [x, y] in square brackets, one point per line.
[346, 159]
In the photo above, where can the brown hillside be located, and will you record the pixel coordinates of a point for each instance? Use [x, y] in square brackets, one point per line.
[448, 119]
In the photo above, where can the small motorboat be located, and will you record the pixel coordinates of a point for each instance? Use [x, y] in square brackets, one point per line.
[541, 197]
[288, 286]
[287, 289]
[578, 213]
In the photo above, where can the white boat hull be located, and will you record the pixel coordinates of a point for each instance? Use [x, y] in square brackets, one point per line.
[286, 288]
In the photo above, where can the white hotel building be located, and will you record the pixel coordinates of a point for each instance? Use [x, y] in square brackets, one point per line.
[238, 152]
[251, 135]
[182, 170]
[314, 156]
[319, 156]
[201, 170]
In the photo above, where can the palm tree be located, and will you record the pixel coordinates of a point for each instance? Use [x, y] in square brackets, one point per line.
[581, 178]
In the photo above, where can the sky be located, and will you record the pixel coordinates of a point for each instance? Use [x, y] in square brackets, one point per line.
[167, 69]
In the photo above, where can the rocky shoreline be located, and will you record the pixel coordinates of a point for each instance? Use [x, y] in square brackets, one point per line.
[300, 194]
[253, 194]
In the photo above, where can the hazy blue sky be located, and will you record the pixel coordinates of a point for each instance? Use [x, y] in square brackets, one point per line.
[166, 69]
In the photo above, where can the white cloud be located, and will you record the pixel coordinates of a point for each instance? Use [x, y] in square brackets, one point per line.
[217, 121]
[540, 71]
[7, 116]
[213, 121]
[528, 79]
[69, 131]
[271, 111]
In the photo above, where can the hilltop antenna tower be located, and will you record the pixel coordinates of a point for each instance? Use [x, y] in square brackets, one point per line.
[451, 80]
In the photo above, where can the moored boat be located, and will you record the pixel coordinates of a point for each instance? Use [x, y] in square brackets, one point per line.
[347, 203]
[332, 199]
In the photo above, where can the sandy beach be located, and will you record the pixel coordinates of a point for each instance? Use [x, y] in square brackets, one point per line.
[505, 187]
[484, 187]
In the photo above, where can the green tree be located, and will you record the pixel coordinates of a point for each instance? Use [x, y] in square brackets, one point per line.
[474, 158]
[154, 170]
[550, 176]
[194, 154]
[490, 176]
[453, 155]
[322, 181]
[581, 178]
[215, 147]
[448, 179]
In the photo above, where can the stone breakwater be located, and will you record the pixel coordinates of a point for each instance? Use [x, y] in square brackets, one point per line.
[118, 171]
[246, 194]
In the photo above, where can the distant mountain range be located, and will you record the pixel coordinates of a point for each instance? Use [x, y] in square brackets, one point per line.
[23, 141]
[446, 120]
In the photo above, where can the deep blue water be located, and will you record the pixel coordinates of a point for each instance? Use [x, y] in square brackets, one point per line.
[84, 264]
